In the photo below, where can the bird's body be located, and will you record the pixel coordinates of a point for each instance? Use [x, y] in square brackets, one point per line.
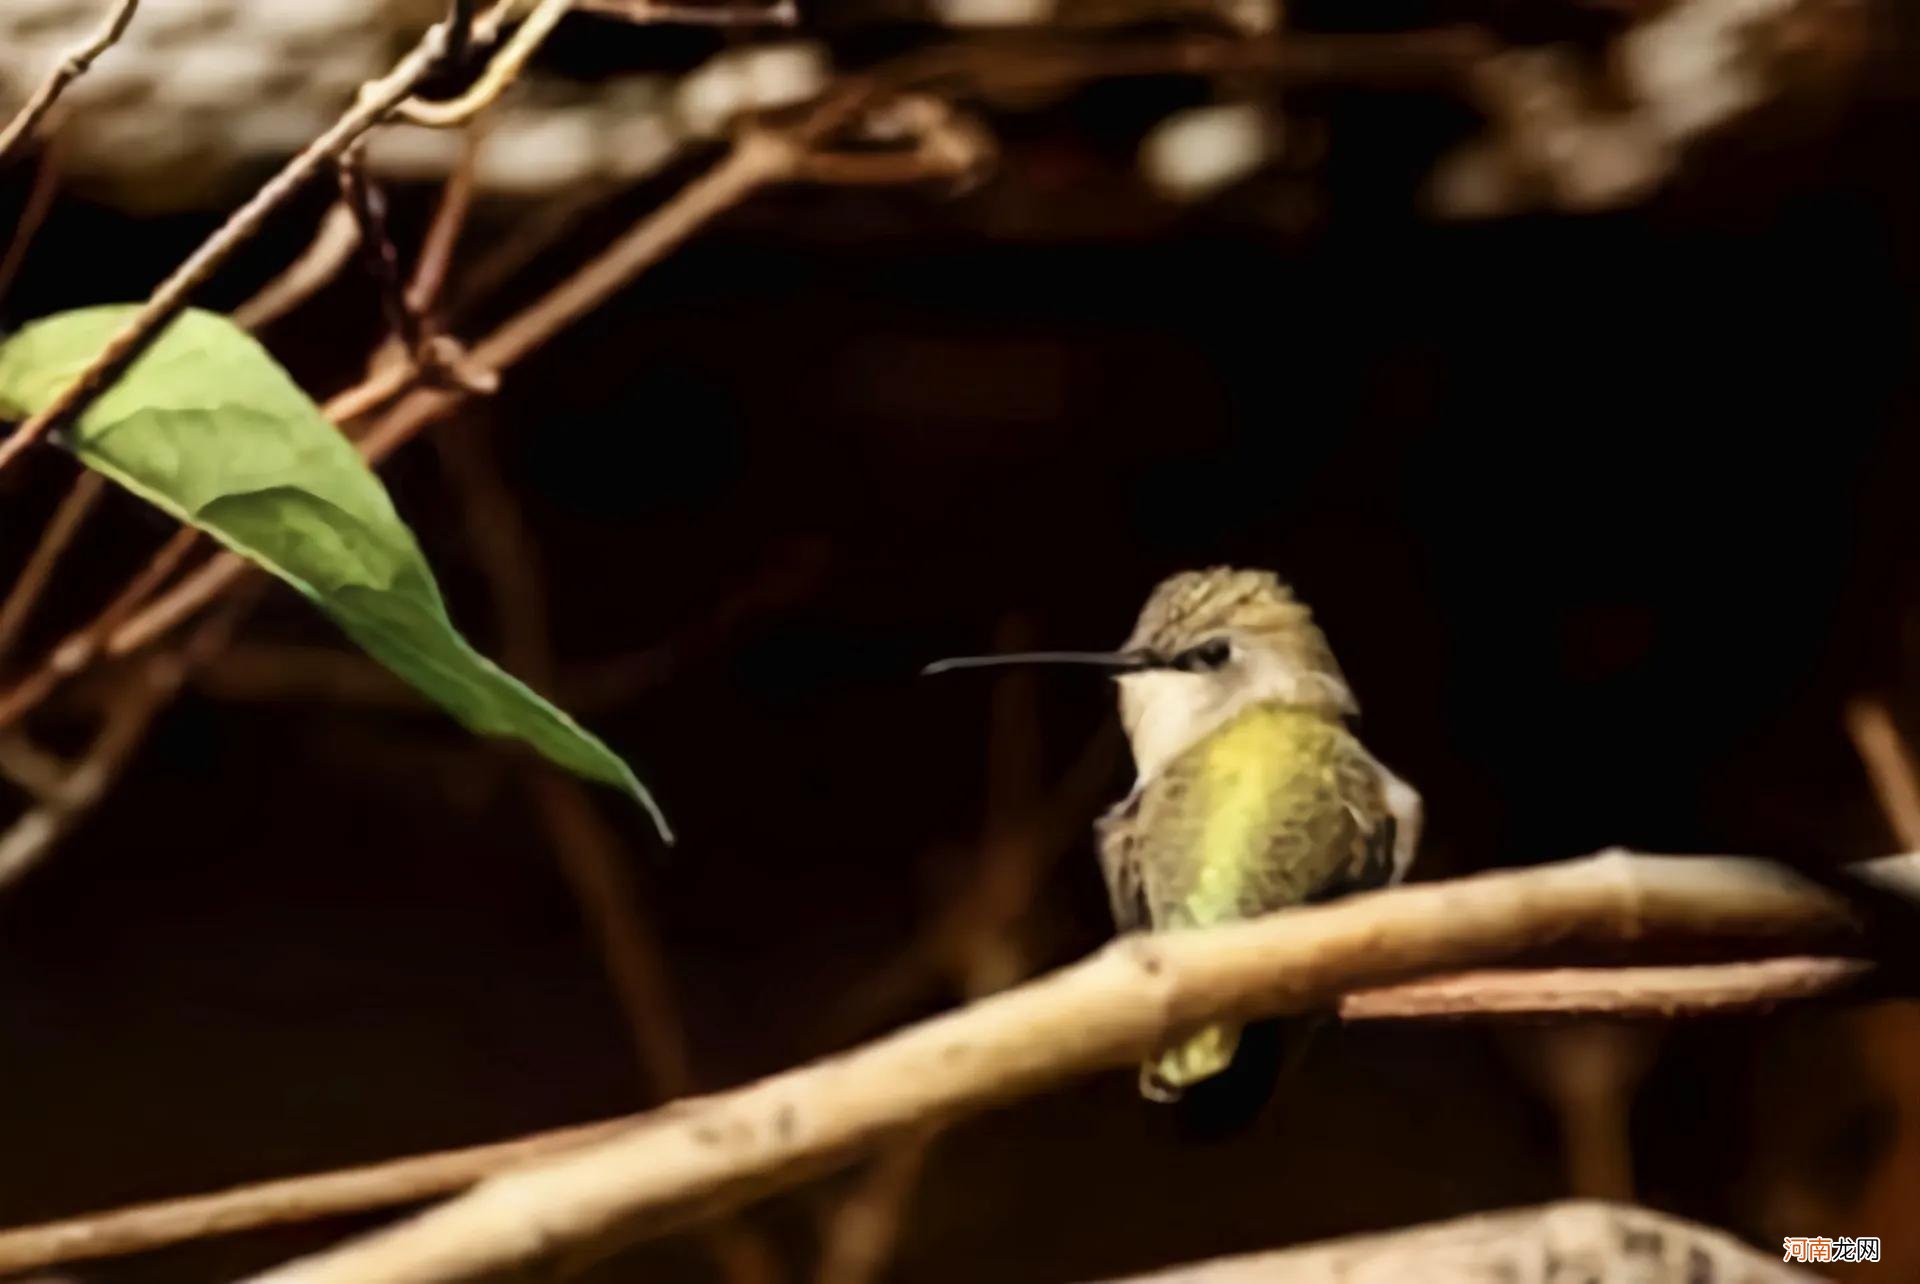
[1253, 793]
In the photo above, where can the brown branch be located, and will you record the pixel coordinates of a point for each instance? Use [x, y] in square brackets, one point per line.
[782, 13]
[1121, 999]
[332, 247]
[1581, 1239]
[59, 533]
[70, 68]
[863, 1231]
[1890, 766]
[368, 204]
[754, 162]
[1639, 992]
[61, 803]
[501, 70]
[374, 102]
[143, 1227]
[39, 202]
[449, 220]
[719, 1151]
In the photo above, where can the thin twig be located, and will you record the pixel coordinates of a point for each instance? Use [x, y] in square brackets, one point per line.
[375, 101]
[54, 541]
[502, 70]
[369, 206]
[443, 233]
[782, 13]
[82, 648]
[1890, 766]
[754, 162]
[153, 683]
[1117, 1002]
[533, 235]
[46, 185]
[862, 1233]
[714, 1153]
[70, 68]
[330, 250]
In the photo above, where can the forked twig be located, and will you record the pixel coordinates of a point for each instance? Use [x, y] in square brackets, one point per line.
[69, 69]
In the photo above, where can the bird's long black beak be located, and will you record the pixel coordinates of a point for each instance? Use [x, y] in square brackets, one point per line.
[1111, 661]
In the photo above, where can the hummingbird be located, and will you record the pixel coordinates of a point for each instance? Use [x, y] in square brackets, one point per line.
[1253, 792]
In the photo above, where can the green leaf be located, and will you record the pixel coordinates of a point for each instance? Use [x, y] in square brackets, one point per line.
[207, 426]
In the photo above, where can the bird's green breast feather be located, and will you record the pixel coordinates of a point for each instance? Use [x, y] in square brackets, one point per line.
[1268, 811]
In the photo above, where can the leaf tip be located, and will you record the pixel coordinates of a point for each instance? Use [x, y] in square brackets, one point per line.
[640, 795]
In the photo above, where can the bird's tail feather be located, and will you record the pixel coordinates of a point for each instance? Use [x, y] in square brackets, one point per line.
[1199, 1056]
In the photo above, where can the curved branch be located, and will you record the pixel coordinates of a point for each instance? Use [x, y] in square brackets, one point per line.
[717, 1152]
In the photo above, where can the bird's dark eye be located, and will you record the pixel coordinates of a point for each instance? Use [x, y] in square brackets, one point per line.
[1209, 655]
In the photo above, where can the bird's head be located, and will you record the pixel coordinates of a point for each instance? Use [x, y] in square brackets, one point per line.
[1207, 644]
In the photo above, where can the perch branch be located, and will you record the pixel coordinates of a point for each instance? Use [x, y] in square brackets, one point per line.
[70, 68]
[719, 1151]
[1583, 1239]
[988, 1052]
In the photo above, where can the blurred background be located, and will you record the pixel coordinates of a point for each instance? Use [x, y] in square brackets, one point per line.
[1581, 412]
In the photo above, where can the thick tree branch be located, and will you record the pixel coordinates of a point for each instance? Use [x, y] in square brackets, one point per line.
[1579, 1239]
[1122, 998]
[716, 1152]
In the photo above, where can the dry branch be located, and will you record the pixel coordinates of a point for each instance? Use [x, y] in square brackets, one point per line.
[293, 1199]
[1890, 766]
[333, 244]
[1330, 950]
[716, 1152]
[1580, 1239]
[58, 534]
[69, 69]
[1642, 992]
[39, 202]
[376, 99]
[502, 71]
